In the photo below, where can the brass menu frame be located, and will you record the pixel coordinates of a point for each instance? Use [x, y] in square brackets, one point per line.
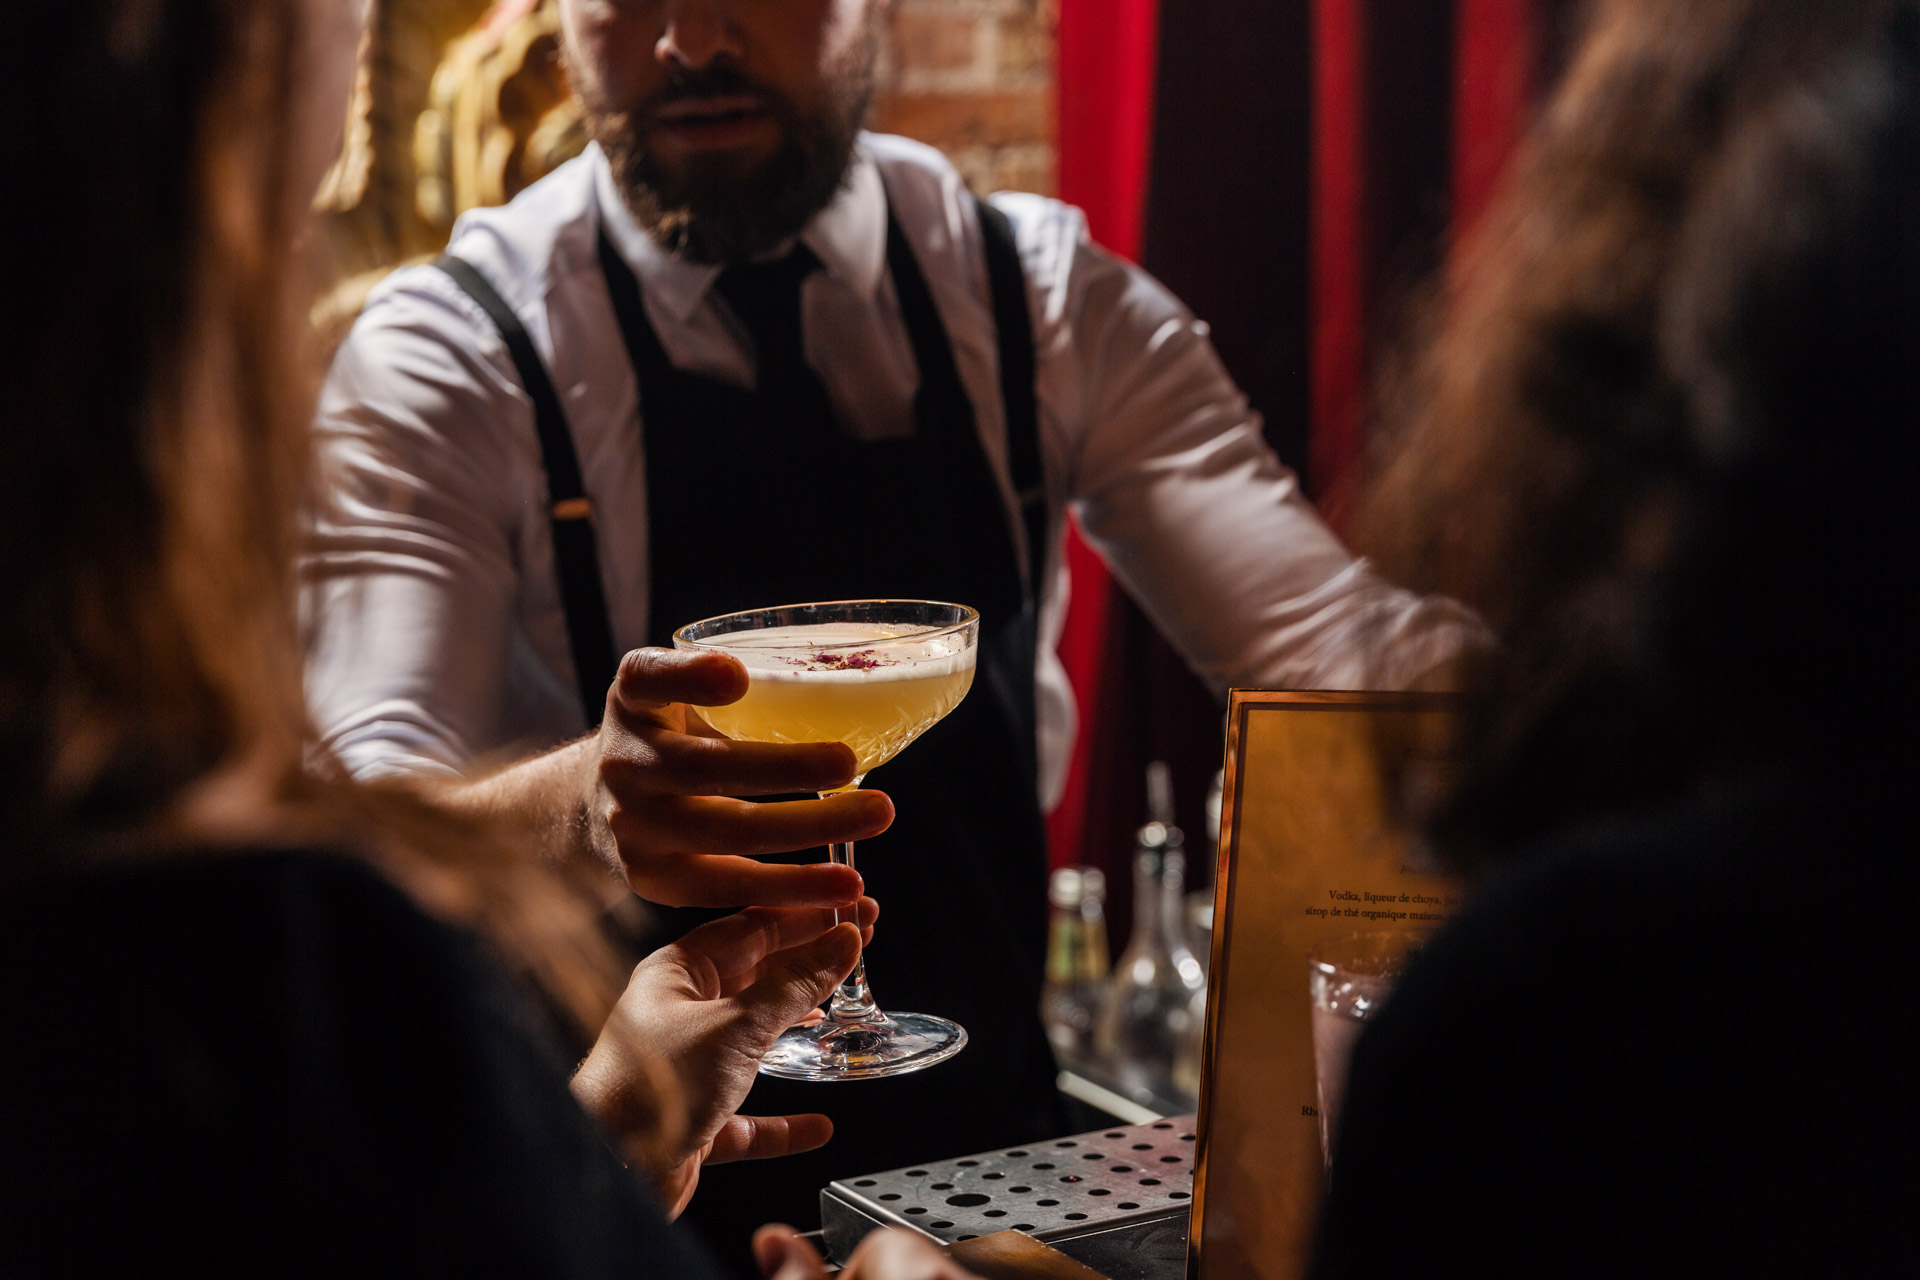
[1300, 790]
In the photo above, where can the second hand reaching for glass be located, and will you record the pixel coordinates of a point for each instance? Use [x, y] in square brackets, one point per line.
[874, 674]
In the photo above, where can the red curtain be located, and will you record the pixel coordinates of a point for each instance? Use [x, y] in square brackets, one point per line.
[1338, 252]
[1390, 122]
[1105, 106]
[1105, 117]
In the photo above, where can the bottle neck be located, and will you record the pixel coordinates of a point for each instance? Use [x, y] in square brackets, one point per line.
[1159, 881]
[1093, 963]
[1063, 944]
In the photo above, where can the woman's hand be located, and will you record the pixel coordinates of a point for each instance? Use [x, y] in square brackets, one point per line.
[883, 1255]
[703, 1011]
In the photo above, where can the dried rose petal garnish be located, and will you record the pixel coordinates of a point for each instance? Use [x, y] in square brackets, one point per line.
[858, 660]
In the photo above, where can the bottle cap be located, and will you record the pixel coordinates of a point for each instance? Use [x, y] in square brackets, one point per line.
[1093, 884]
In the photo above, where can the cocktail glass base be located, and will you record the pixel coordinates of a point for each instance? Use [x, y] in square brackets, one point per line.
[892, 1045]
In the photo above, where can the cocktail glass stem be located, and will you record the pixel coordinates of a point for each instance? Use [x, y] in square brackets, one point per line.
[852, 1000]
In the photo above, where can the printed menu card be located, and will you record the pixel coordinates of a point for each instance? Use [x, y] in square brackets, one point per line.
[1314, 846]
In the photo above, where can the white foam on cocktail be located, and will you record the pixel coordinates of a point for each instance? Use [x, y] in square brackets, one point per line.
[788, 654]
[875, 688]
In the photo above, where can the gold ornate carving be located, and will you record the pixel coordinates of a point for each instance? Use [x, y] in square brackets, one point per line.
[498, 115]
[456, 105]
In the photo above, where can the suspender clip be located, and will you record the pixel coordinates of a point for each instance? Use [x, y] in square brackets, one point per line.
[573, 509]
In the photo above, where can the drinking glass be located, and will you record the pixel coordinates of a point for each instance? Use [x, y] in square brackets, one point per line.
[874, 674]
[1348, 979]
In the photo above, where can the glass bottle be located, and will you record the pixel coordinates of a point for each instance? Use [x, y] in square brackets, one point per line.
[1200, 901]
[1187, 1058]
[1076, 961]
[1094, 965]
[1146, 1010]
[1188, 1054]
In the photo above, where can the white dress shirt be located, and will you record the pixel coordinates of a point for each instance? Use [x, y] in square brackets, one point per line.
[435, 630]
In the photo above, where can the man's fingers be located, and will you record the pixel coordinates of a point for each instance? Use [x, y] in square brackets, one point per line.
[668, 762]
[782, 1254]
[737, 882]
[712, 824]
[649, 679]
[737, 944]
[765, 1137]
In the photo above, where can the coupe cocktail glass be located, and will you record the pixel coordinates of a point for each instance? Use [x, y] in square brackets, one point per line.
[874, 674]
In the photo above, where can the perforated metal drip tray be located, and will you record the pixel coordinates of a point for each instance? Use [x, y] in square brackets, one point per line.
[1053, 1190]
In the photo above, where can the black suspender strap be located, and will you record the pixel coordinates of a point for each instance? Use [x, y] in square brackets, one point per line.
[576, 557]
[1013, 324]
[576, 560]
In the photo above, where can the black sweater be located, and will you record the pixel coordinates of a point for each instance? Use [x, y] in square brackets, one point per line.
[1685, 1046]
[273, 1064]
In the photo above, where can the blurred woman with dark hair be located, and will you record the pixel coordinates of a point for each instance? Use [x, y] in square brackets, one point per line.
[1664, 440]
[247, 1027]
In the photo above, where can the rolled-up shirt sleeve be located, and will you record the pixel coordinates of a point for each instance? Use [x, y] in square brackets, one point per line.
[408, 577]
[1165, 465]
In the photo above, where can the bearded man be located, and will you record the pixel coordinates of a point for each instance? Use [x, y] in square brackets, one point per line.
[738, 354]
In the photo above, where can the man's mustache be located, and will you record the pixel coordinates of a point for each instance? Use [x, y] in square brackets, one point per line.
[719, 81]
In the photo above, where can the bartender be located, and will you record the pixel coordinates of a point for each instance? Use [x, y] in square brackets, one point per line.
[742, 353]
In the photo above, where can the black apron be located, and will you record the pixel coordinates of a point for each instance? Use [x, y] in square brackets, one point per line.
[757, 501]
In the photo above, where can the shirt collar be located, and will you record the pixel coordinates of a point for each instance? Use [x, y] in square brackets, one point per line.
[849, 236]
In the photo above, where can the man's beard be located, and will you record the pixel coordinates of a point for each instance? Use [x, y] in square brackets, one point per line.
[720, 208]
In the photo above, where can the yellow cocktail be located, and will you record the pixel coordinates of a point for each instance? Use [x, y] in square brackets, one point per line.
[874, 687]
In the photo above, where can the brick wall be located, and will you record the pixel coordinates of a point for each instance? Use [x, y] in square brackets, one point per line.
[976, 79]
